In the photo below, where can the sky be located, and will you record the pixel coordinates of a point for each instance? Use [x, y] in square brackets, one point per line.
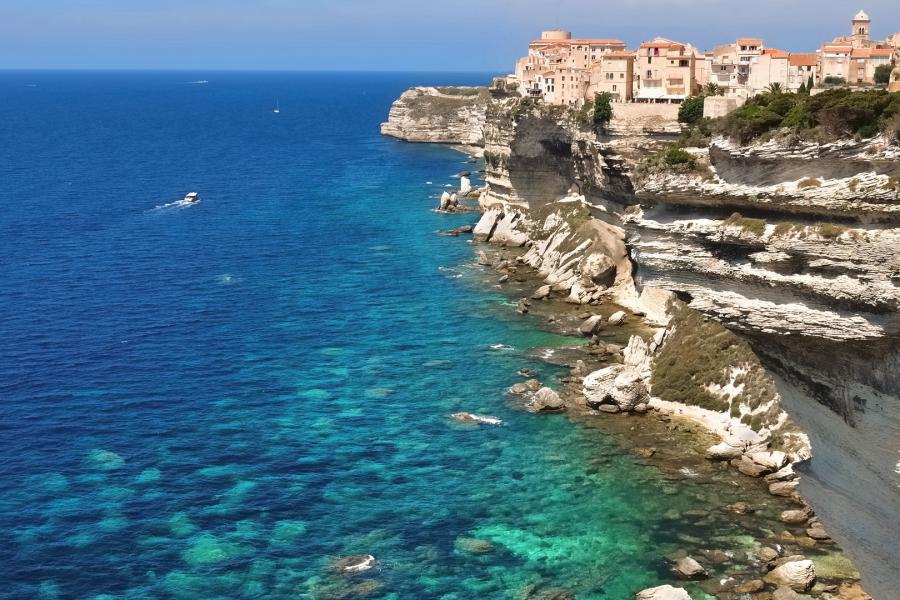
[389, 35]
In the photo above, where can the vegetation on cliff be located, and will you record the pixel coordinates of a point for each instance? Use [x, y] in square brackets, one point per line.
[700, 358]
[829, 116]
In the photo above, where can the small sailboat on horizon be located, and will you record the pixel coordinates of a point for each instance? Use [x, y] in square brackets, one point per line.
[277, 108]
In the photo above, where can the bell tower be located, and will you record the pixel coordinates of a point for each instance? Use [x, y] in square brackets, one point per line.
[862, 27]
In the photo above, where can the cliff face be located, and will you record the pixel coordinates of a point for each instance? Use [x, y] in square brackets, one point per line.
[441, 115]
[805, 278]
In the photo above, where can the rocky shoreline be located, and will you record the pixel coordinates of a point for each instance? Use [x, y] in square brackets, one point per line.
[740, 312]
[608, 388]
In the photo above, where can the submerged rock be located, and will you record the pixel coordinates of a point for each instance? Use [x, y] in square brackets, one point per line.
[546, 400]
[688, 568]
[532, 385]
[465, 417]
[663, 592]
[354, 564]
[474, 546]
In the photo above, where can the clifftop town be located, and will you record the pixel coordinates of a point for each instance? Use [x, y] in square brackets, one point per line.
[562, 70]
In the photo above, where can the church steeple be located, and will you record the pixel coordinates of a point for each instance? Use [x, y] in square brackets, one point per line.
[862, 27]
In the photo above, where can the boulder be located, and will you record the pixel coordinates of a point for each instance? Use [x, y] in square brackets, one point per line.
[723, 451]
[618, 385]
[767, 554]
[599, 268]
[785, 489]
[541, 293]
[817, 532]
[799, 575]
[445, 201]
[503, 279]
[645, 452]
[546, 400]
[591, 326]
[523, 306]
[794, 517]
[617, 318]
[688, 568]
[483, 259]
[750, 468]
[663, 592]
[774, 461]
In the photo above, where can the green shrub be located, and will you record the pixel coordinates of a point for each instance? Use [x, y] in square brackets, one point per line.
[883, 74]
[748, 122]
[833, 114]
[699, 353]
[691, 110]
[783, 229]
[833, 80]
[830, 231]
[755, 226]
[675, 155]
[603, 111]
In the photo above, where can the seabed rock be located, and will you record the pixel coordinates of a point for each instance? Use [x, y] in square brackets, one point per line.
[465, 417]
[354, 564]
[688, 568]
[663, 592]
[532, 385]
[546, 400]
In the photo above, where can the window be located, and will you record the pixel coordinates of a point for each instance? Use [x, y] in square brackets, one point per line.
[683, 63]
[615, 89]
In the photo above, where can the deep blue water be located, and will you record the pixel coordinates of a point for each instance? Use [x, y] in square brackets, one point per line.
[217, 401]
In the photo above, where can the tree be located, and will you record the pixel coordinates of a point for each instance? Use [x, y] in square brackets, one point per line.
[802, 89]
[603, 111]
[775, 88]
[810, 84]
[883, 74]
[834, 80]
[691, 110]
[713, 89]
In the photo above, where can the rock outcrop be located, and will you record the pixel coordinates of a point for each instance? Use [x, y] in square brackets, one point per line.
[449, 115]
[663, 592]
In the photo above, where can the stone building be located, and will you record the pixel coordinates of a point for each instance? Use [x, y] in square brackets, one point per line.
[558, 67]
[665, 71]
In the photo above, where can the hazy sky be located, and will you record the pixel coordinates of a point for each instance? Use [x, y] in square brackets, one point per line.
[461, 35]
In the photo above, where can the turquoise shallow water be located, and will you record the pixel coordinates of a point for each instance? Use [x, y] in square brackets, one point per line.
[218, 401]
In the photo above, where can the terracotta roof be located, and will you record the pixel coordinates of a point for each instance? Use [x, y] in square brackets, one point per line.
[656, 44]
[804, 60]
[776, 53]
[749, 42]
[882, 52]
[619, 54]
[830, 48]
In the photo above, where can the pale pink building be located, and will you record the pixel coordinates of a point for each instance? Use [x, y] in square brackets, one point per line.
[558, 67]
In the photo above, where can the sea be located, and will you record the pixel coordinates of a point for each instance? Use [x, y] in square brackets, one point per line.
[225, 399]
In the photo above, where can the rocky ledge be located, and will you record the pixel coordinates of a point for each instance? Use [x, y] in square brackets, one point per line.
[449, 115]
